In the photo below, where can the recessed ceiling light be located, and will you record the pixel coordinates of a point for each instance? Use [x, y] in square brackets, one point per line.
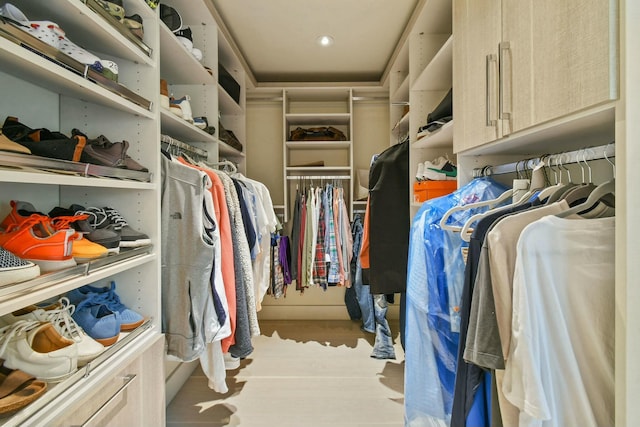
[325, 40]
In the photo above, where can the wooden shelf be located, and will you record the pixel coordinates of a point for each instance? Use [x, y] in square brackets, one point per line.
[177, 65]
[318, 144]
[322, 119]
[35, 69]
[92, 32]
[403, 124]
[441, 138]
[178, 128]
[437, 75]
[401, 95]
[227, 104]
[592, 127]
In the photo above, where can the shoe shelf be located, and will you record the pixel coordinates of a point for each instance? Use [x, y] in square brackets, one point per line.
[138, 8]
[93, 31]
[225, 149]
[180, 129]
[62, 167]
[327, 145]
[40, 71]
[16, 296]
[437, 75]
[318, 119]
[441, 138]
[53, 404]
[227, 104]
[177, 65]
[402, 126]
[402, 93]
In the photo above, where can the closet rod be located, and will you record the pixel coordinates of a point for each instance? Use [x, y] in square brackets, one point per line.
[581, 155]
[291, 177]
[183, 146]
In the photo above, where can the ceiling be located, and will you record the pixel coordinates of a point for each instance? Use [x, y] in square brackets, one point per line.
[278, 38]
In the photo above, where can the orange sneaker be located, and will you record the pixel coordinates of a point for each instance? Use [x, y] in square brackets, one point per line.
[32, 240]
[83, 250]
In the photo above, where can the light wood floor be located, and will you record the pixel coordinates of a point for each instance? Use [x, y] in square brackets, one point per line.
[301, 374]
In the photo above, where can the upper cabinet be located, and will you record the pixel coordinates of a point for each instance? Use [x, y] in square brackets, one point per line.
[542, 60]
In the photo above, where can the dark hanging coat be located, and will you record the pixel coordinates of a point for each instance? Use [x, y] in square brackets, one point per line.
[389, 221]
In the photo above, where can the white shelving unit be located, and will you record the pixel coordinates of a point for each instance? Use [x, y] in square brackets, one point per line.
[42, 94]
[317, 107]
[420, 77]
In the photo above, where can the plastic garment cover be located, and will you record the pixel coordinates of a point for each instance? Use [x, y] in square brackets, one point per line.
[435, 279]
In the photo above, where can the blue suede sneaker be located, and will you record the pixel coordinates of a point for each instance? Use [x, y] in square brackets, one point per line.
[95, 318]
[129, 319]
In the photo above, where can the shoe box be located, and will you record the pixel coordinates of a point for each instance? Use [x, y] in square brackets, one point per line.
[228, 83]
[426, 190]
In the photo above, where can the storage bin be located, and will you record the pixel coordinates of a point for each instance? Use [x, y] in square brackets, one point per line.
[425, 190]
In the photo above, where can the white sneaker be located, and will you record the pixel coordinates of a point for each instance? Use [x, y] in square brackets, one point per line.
[436, 164]
[420, 171]
[38, 349]
[182, 108]
[231, 362]
[51, 34]
[59, 315]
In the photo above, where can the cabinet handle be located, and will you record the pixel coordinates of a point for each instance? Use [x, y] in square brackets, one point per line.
[128, 379]
[502, 47]
[489, 59]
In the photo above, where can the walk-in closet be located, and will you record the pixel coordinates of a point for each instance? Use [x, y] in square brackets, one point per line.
[413, 213]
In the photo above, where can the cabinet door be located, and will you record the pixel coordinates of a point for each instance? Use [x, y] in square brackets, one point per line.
[476, 29]
[559, 58]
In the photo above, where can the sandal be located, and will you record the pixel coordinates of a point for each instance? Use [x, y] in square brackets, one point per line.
[18, 389]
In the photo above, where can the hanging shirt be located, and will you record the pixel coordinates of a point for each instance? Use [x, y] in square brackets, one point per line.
[560, 367]
[468, 376]
[435, 264]
[226, 246]
[319, 262]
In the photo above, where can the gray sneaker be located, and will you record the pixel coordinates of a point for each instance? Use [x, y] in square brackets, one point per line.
[102, 236]
[110, 219]
[101, 151]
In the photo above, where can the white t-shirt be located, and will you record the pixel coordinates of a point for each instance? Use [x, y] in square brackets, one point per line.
[559, 372]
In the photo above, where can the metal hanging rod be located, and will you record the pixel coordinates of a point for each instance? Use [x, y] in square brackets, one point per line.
[183, 146]
[581, 155]
[292, 177]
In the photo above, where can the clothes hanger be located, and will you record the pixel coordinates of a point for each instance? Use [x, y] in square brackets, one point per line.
[603, 190]
[546, 192]
[537, 175]
[582, 190]
[501, 198]
[557, 195]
